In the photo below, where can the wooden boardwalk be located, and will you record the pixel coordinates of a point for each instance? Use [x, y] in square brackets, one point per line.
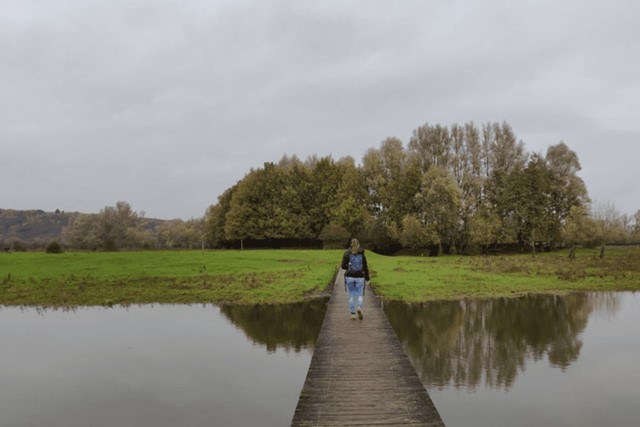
[360, 374]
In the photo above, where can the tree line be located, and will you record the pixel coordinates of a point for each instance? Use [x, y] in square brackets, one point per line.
[120, 227]
[455, 189]
[113, 228]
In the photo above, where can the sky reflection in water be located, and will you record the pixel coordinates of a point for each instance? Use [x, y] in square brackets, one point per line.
[533, 361]
[159, 365]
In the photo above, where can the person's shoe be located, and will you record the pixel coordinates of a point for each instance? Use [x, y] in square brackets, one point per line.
[353, 316]
[360, 315]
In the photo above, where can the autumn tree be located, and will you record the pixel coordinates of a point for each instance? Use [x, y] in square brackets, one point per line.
[83, 232]
[636, 226]
[576, 229]
[506, 158]
[114, 227]
[438, 202]
[392, 178]
[529, 204]
[180, 234]
[115, 224]
[567, 188]
[466, 168]
[414, 234]
[291, 200]
[466, 186]
[483, 230]
[351, 211]
[319, 191]
[607, 225]
[260, 207]
[431, 145]
[215, 218]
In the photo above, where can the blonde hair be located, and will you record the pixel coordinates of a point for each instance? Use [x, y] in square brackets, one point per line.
[355, 246]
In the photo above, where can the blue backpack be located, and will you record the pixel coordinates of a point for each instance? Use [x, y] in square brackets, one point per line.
[355, 263]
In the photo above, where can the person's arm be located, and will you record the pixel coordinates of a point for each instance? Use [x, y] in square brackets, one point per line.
[365, 267]
[343, 265]
[345, 261]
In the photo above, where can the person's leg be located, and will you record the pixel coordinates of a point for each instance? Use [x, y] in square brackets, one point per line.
[359, 296]
[352, 289]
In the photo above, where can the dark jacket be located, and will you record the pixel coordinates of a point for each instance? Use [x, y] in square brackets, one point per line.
[365, 268]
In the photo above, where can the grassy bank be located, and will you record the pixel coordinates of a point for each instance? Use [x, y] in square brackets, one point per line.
[455, 277]
[277, 276]
[81, 278]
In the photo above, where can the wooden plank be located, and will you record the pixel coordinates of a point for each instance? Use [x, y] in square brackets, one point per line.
[359, 373]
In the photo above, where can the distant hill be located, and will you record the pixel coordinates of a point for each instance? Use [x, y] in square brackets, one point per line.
[32, 227]
[37, 228]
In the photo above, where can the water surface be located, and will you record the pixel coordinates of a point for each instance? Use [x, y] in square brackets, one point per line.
[533, 361]
[161, 365]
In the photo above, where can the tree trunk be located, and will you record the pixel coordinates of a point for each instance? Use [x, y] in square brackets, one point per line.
[533, 243]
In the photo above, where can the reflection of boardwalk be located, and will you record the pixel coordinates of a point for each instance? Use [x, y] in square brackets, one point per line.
[359, 373]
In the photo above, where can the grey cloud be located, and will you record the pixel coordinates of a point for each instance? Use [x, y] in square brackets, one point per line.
[166, 104]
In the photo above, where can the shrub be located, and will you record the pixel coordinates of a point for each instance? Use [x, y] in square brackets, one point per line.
[54, 248]
[17, 245]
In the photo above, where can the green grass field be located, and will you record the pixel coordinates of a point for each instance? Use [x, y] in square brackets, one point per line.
[278, 276]
[455, 277]
[107, 278]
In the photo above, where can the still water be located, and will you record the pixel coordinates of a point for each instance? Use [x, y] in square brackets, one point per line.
[161, 365]
[533, 361]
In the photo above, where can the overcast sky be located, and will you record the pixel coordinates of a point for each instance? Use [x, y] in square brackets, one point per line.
[165, 104]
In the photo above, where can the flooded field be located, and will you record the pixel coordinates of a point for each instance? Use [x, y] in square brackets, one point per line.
[533, 361]
[160, 365]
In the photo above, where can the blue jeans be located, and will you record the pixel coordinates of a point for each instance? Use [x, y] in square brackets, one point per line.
[355, 287]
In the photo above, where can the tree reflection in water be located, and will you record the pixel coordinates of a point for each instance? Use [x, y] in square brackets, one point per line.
[288, 326]
[463, 343]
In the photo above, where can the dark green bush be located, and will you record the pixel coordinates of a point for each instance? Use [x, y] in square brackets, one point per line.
[54, 248]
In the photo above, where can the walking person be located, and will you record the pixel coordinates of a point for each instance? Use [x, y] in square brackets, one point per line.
[354, 262]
